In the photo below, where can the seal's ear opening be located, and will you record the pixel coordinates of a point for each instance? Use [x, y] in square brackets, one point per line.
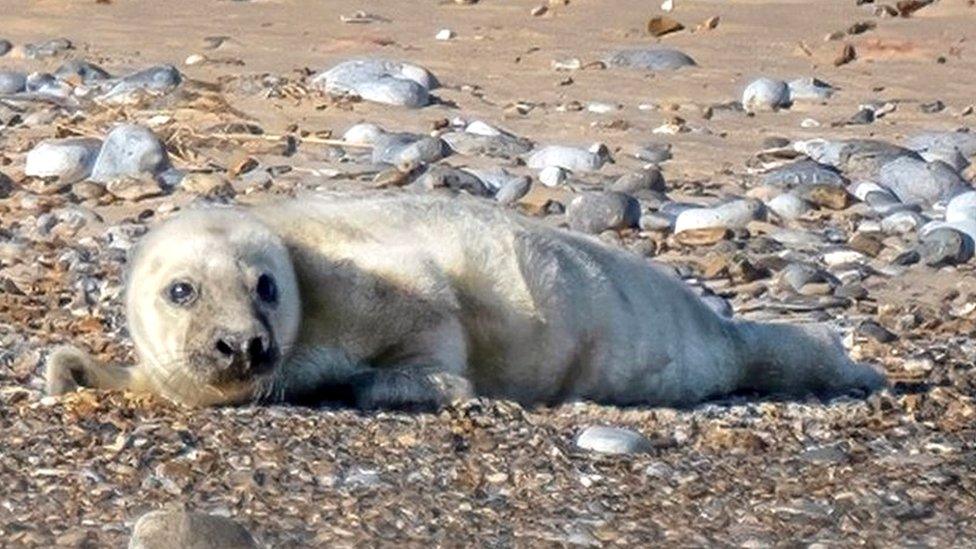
[69, 368]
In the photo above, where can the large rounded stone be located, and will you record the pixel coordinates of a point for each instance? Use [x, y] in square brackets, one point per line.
[597, 212]
[809, 89]
[513, 190]
[567, 158]
[803, 172]
[451, 179]
[70, 159]
[919, 182]
[945, 246]
[788, 206]
[379, 80]
[501, 145]
[646, 179]
[962, 141]
[398, 148]
[732, 215]
[83, 70]
[363, 134]
[158, 79]
[130, 150]
[962, 207]
[12, 82]
[765, 94]
[186, 530]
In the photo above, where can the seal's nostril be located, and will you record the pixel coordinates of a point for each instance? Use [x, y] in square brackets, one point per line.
[256, 351]
[224, 348]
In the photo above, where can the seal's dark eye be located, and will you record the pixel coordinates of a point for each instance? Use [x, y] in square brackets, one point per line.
[267, 290]
[181, 293]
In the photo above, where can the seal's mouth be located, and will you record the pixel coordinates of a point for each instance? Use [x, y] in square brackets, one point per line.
[251, 365]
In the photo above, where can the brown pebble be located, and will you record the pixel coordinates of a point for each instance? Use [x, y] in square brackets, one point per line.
[702, 237]
[847, 54]
[662, 25]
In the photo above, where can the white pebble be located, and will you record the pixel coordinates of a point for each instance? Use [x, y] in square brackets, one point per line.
[612, 440]
[552, 176]
[194, 59]
[444, 34]
[601, 108]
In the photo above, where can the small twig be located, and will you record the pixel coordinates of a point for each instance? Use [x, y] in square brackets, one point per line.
[308, 139]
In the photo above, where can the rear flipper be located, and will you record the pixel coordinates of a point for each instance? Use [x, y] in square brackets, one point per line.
[68, 368]
[799, 359]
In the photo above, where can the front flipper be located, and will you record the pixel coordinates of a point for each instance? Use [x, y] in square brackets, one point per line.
[409, 388]
[69, 368]
[324, 376]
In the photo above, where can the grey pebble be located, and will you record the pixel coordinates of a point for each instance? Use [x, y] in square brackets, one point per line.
[656, 221]
[46, 83]
[902, 222]
[12, 82]
[654, 59]
[363, 134]
[362, 477]
[962, 207]
[513, 190]
[775, 142]
[646, 179]
[157, 79]
[5, 47]
[655, 153]
[919, 182]
[379, 81]
[953, 148]
[765, 94]
[797, 275]
[87, 72]
[553, 176]
[397, 148]
[130, 150]
[810, 89]
[803, 172]
[452, 179]
[47, 48]
[861, 117]
[495, 178]
[788, 206]
[945, 246]
[963, 141]
[497, 146]
[731, 215]
[568, 158]
[864, 158]
[595, 212]
[70, 159]
[612, 440]
[875, 331]
[188, 530]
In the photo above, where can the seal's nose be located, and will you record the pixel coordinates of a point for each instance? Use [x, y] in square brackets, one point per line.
[244, 353]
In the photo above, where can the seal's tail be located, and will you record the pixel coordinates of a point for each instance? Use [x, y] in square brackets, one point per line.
[797, 359]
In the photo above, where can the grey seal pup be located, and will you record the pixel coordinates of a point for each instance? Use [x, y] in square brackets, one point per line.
[413, 301]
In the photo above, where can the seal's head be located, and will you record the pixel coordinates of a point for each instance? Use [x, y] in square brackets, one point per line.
[212, 306]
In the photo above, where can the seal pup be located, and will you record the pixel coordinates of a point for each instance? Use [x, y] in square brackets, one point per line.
[412, 301]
